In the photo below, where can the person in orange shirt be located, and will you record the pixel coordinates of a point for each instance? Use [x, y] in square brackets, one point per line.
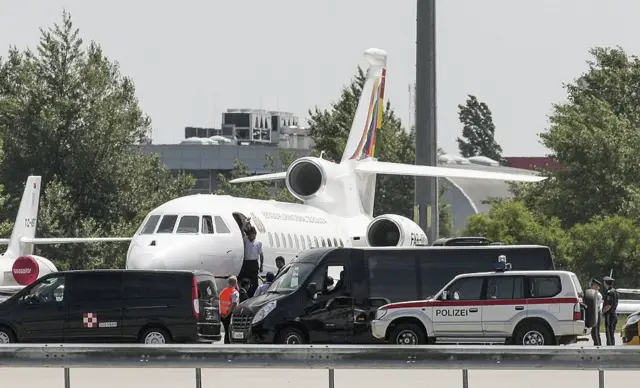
[229, 298]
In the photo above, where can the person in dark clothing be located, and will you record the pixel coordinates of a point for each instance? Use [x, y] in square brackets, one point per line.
[244, 287]
[279, 264]
[609, 310]
[595, 331]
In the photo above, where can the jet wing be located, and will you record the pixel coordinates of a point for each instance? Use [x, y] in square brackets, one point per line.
[371, 166]
[260, 178]
[72, 240]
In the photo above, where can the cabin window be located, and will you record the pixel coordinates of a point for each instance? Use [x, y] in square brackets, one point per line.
[167, 224]
[207, 225]
[329, 242]
[270, 239]
[309, 242]
[284, 241]
[277, 240]
[188, 224]
[304, 245]
[341, 243]
[290, 240]
[335, 242]
[295, 236]
[324, 244]
[151, 224]
[315, 240]
[221, 227]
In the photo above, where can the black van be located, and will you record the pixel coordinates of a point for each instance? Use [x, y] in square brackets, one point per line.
[148, 306]
[305, 305]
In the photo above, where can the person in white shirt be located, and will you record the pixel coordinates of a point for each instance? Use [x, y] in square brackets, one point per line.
[595, 331]
[263, 288]
[253, 256]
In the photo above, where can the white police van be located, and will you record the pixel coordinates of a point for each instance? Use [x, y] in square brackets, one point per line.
[513, 307]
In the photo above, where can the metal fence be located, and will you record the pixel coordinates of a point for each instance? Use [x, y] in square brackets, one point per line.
[463, 358]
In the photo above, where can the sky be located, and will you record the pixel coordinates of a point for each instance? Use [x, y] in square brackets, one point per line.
[191, 60]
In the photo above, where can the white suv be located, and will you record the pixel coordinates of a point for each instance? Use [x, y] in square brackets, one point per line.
[513, 307]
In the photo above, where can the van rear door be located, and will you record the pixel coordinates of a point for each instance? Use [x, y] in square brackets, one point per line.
[95, 311]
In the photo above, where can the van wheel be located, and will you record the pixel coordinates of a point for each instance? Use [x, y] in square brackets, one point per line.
[291, 336]
[534, 334]
[6, 336]
[408, 334]
[155, 336]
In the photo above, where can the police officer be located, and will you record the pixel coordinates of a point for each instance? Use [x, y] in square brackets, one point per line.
[609, 310]
[595, 331]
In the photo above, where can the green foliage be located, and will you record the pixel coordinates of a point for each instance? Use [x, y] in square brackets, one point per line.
[511, 222]
[330, 128]
[478, 131]
[259, 190]
[69, 115]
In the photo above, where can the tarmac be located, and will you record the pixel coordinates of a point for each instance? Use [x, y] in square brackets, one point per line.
[281, 378]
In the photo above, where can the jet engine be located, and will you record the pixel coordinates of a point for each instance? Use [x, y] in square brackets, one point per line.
[27, 269]
[306, 177]
[392, 230]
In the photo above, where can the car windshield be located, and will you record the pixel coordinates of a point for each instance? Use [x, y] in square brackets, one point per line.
[292, 278]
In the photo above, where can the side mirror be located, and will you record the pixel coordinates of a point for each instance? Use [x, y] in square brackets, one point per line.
[312, 288]
[456, 295]
[443, 295]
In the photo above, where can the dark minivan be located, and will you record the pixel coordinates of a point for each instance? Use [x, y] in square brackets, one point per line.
[305, 305]
[147, 306]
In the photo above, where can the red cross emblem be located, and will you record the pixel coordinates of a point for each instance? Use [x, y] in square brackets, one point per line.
[90, 320]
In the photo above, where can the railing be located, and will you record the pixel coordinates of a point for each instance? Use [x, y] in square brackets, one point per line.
[321, 357]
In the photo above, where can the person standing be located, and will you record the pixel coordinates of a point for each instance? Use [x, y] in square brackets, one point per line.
[263, 288]
[595, 331]
[253, 256]
[228, 301]
[279, 264]
[245, 284]
[609, 310]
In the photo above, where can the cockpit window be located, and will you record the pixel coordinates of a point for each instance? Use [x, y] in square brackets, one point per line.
[188, 224]
[207, 225]
[167, 224]
[151, 224]
[221, 227]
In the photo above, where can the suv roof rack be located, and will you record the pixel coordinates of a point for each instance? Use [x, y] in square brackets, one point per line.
[462, 241]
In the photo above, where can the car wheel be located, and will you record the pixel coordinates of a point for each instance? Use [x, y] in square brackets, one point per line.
[6, 336]
[591, 312]
[408, 334]
[291, 336]
[155, 336]
[534, 335]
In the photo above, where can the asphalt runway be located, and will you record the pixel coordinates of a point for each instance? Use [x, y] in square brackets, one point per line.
[264, 378]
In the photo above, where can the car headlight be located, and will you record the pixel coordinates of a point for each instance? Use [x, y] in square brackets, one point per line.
[381, 313]
[632, 320]
[264, 311]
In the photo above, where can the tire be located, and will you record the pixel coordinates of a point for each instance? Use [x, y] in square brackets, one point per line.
[291, 336]
[7, 336]
[407, 334]
[155, 336]
[590, 300]
[534, 334]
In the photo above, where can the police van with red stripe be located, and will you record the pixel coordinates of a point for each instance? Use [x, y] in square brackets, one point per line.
[512, 307]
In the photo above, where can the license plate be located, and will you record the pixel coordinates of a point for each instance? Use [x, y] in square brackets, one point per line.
[238, 335]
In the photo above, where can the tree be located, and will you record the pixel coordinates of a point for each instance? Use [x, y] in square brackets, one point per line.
[478, 131]
[595, 137]
[69, 115]
[510, 222]
[329, 130]
[259, 190]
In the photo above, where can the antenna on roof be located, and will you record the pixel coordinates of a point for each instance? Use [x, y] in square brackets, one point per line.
[502, 265]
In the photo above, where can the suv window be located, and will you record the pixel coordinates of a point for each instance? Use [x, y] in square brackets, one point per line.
[393, 276]
[467, 288]
[544, 286]
[89, 287]
[504, 287]
[156, 286]
[576, 283]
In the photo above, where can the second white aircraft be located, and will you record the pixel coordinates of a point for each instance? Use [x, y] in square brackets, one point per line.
[203, 231]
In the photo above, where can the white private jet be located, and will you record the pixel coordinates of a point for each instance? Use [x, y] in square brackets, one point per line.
[203, 231]
[18, 265]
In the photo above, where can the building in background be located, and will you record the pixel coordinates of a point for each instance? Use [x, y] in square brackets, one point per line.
[252, 134]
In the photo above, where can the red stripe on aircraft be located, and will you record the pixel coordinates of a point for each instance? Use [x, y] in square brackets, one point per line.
[489, 302]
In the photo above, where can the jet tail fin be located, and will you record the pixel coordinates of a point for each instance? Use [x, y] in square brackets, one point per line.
[26, 219]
